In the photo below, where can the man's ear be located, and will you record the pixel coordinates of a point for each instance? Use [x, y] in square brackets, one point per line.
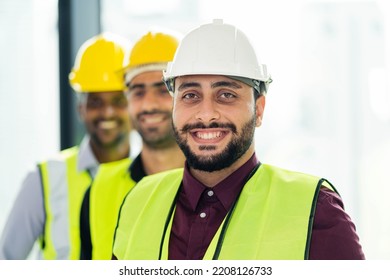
[260, 105]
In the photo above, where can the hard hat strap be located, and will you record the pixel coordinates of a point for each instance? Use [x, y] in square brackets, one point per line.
[170, 84]
[260, 86]
[250, 82]
[132, 72]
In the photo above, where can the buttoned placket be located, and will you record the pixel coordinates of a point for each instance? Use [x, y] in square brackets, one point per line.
[200, 223]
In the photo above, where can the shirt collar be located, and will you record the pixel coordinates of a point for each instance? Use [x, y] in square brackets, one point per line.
[86, 158]
[227, 190]
[136, 169]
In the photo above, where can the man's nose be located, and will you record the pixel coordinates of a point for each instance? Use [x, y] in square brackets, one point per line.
[208, 111]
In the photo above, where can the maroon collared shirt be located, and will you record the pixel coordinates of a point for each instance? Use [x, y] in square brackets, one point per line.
[200, 211]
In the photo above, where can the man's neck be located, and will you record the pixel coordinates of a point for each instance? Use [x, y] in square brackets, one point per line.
[158, 160]
[104, 155]
[211, 179]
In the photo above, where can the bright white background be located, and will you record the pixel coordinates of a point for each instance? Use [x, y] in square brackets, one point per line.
[29, 91]
[327, 112]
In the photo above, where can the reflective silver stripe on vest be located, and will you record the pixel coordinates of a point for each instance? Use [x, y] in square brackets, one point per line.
[58, 185]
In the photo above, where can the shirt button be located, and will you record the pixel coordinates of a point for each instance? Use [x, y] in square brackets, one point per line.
[210, 193]
[202, 215]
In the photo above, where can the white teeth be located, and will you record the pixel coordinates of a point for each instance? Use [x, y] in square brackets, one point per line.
[152, 120]
[208, 135]
[107, 124]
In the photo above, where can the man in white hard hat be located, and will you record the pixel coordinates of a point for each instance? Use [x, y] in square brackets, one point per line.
[225, 204]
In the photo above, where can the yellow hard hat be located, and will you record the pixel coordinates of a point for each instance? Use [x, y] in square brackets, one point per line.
[98, 64]
[151, 52]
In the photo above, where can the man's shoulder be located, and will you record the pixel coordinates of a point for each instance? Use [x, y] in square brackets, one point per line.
[169, 177]
[289, 174]
[153, 185]
[62, 155]
[171, 173]
[114, 169]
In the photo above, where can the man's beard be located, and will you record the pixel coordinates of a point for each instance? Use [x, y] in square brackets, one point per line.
[164, 140]
[236, 148]
[108, 145]
[158, 137]
[114, 143]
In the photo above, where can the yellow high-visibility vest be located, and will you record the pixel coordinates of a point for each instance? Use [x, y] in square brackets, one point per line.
[272, 218]
[108, 190]
[63, 188]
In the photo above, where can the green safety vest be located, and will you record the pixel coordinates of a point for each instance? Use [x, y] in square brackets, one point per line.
[272, 218]
[108, 190]
[63, 191]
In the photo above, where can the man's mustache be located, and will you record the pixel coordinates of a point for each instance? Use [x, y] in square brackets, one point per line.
[186, 128]
[145, 113]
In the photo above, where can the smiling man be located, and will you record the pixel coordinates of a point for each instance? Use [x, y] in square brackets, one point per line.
[47, 208]
[150, 104]
[150, 107]
[226, 204]
[216, 140]
[106, 118]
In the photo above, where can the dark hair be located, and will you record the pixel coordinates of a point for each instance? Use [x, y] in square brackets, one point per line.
[262, 92]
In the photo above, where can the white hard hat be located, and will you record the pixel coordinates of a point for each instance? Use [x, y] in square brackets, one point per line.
[217, 49]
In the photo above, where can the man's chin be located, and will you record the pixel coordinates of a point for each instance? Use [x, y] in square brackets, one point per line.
[209, 163]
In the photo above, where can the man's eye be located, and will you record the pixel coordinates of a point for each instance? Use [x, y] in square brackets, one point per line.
[94, 103]
[120, 102]
[137, 93]
[190, 95]
[227, 95]
[164, 90]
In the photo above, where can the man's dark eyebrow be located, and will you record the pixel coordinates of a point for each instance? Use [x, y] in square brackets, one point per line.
[226, 84]
[158, 84]
[134, 86]
[188, 85]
